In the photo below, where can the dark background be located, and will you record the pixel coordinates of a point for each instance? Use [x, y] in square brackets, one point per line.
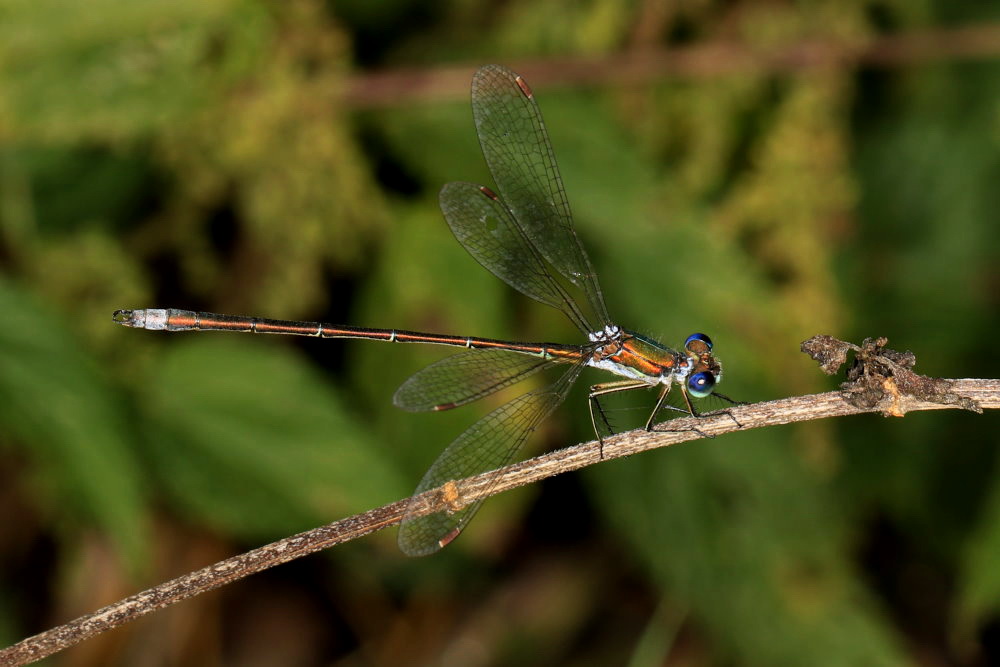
[760, 171]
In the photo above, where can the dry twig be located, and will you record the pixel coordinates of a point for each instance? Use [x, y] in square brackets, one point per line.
[880, 380]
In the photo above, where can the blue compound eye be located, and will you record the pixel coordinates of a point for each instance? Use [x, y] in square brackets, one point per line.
[698, 338]
[701, 384]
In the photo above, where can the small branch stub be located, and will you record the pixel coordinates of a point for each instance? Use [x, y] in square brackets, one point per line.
[881, 378]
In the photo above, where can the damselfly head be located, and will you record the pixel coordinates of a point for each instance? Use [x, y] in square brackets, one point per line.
[706, 371]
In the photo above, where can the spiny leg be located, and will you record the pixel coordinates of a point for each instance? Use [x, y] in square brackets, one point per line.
[731, 401]
[695, 413]
[727, 411]
[660, 405]
[690, 411]
[602, 389]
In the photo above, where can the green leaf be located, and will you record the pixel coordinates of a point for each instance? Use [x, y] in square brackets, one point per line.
[980, 576]
[55, 402]
[246, 436]
[107, 70]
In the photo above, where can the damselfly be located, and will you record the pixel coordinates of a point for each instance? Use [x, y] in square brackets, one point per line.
[525, 236]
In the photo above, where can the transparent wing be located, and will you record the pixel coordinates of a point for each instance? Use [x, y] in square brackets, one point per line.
[490, 443]
[487, 230]
[520, 158]
[465, 377]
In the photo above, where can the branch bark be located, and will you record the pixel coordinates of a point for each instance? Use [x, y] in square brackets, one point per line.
[985, 394]
[398, 87]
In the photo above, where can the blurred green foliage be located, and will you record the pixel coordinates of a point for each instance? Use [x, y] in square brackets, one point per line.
[200, 155]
